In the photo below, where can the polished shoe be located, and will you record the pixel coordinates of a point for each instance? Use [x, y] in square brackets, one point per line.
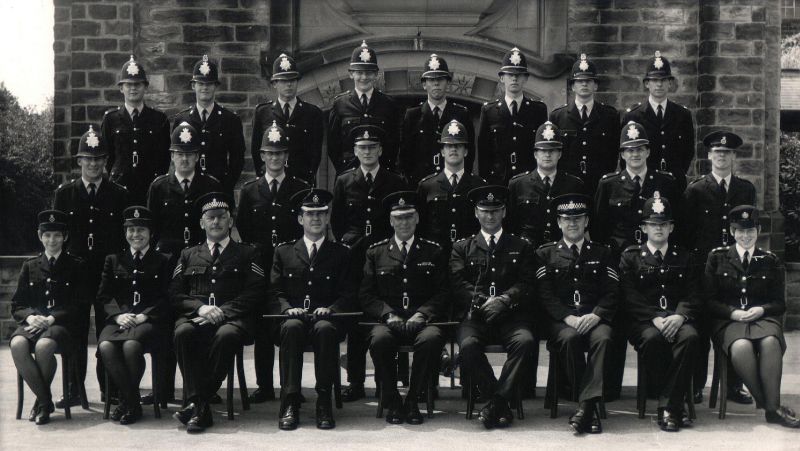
[581, 420]
[782, 417]
[446, 365]
[413, 415]
[117, 414]
[34, 411]
[488, 415]
[132, 415]
[697, 398]
[201, 420]
[290, 417]
[669, 421]
[215, 399]
[73, 401]
[503, 413]
[43, 416]
[148, 399]
[353, 393]
[596, 427]
[262, 395]
[684, 420]
[396, 413]
[740, 396]
[325, 412]
[185, 414]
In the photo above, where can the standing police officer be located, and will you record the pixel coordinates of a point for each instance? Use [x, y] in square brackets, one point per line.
[221, 137]
[420, 146]
[577, 286]
[668, 124]
[589, 128]
[135, 136]
[301, 121]
[530, 194]
[364, 105]
[507, 126]
[265, 218]
[358, 221]
[94, 205]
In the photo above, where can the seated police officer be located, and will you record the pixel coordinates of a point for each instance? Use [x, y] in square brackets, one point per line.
[51, 292]
[215, 288]
[310, 280]
[404, 287]
[134, 292]
[491, 275]
[660, 286]
[577, 286]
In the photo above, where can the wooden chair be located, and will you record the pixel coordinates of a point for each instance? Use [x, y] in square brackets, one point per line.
[70, 374]
[719, 382]
[158, 404]
[641, 390]
[489, 349]
[552, 390]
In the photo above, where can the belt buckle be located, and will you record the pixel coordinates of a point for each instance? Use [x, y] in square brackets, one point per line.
[637, 235]
[582, 166]
[51, 303]
[576, 298]
[135, 158]
[662, 302]
[274, 238]
[90, 241]
[368, 229]
[724, 237]
[453, 234]
[203, 162]
[513, 158]
[546, 235]
[436, 160]
[307, 303]
[743, 301]
[492, 291]
[406, 302]
[212, 300]
[187, 235]
[137, 298]
[663, 164]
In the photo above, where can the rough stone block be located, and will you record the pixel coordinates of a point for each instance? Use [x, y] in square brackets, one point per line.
[619, 16]
[118, 27]
[681, 33]
[230, 98]
[78, 44]
[95, 113]
[103, 11]
[78, 11]
[85, 28]
[715, 100]
[163, 63]
[62, 30]
[734, 116]
[584, 16]
[735, 82]
[188, 49]
[706, 83]
[594, 33]
[642, 34]
[232, 65]
[750, 31]
[184, 15]
[155, 32]
[102, 79]
[709, 13]
[85, 96]
[246, 83]
[708, 48]
[208, 3]
[735, 13]
[610, 49]
[735, 48]
[84, 60]
[752, 100]
[61, 14]
[77, 113]
[207, 33]
[101, 44]
[114, 61]
[232, 16]
[237, 48]
[750, 65]
[124, 12]
[663, 16]
[716, 30]
[716, 65]
[252, 33]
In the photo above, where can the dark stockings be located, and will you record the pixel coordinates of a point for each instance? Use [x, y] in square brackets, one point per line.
[760, 365]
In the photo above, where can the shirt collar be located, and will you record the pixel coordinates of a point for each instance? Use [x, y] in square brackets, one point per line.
[589, 105]
[181, 178]
[509, 99]
[569, 244]
[292, 103]
[441, 107]
[308, 243]
[368, 93]
[143, 251]
[449, 174]
[497, 236]
[222, 244]
[409, 242]
[208, 110]
[47, 255]
[130, 109]
[279, 178]
[641, 176]
[720, 179]
[740, 250]
[86, 183]
[374, 172]
[542, 176]
[653, 250]
[655, 105]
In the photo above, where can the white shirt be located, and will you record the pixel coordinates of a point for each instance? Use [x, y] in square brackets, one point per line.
[368, 93]
[309, 243]
[579, 244]
[130, 109]
[181, 179]
[292, 103]
[589, 106]
[409, 242]
[641, 176]
[279, 178]
[441, 107]
[740, 250]
[511, 99]
[720, 179]
[487, 236]
[654, 249]
[86, 184]
[449, 174]
[200, 110]
[47, 254]
[374, 172]
[655, 105]
[542, 176]
[222, 244]
[143, 251]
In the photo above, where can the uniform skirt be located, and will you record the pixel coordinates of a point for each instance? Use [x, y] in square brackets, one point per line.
[146, 333]
[754, 330]
[56, 332]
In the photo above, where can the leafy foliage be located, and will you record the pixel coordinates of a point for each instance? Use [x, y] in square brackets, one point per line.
[790, 52]
[790, 192]
[26, 172]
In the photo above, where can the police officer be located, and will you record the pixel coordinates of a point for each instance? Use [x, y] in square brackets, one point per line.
[668, 124]
[577, 284]
[506, 132]
[365, 104]
[530, 193]
[135, 135]
[660, 287]
[492, 277]
[48, 307]
[404, 288]
[358, 221]
[589, 128]
[220, 130]
[446, 214]
[621, 195]
[265, 218]
[94, 205]
[420, 144]
[302, 122]
[215, 289]
[310, 280]
[134, 293]
[746, 288]
[708, 201]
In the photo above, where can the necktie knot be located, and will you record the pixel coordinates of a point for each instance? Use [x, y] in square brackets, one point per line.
[364, 101]
[369, 178]
[575, 252]
[92, 192]
[215, 253]
[185, 185]
[660, 112]
[436, 112]
[52, 262]
[513, 107]
[492, 243]
[404, 249]
[547, 182]
[273, 187]
[584, 113]
[659, 256]
[746, 258]
[313, 254]
[286, 111]
[135, 113]
[204, 115]
[454, 180]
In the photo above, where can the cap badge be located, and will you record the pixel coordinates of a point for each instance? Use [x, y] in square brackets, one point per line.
[745, 215]
[401, 202]
[274, 135]
[548, 133]
[490, 197]
[205, 68]
[658, 206]
[52, 218]
[136, 213]
[724, 140]
[365, 135]
[515, 57]
[315, 199]
[656, 194]
[583, 65]
[658, 63]
[364, 55]
[453, 129]
[434, 63]
[285, 64]
[133, 69]
[633, 133]
[92, 140]
[185, 136]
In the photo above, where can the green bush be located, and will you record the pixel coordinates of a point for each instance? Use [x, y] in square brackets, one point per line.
[790, 193]
[26, 172]
[790, 52]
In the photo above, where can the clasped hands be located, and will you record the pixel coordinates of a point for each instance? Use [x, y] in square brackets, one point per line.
[209, 314]
[582, 324]
[38, 323]
[129, 320]
[317, 314]
[746, 316]
[669, 325]
[493, 308]
[410, 326]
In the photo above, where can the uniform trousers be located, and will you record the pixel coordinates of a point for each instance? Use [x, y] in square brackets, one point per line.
[293, 335]
[668, 365]
[264, 352]
[383, 347]
[570, 346]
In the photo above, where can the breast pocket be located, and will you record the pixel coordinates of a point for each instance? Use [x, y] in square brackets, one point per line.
[619, 203]
[122, 137]
[388, 278]
[196, 277]
[348, 123]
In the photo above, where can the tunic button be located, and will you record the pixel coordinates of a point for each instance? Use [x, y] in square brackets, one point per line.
[584, 143]
[203, 143]
[213, 280]
[404, 266]
[273, 218]
[213, 268]
[369, 209]
[309, 282]
[186, 215]
[311, 268]
[134, 141]
[514, 138]
[454, 210]
[744, 290]
[405, 280]
[91, 221]
[662, 132]
[494, 269]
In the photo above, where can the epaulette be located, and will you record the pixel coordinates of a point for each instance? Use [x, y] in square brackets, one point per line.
[720, 249]
[632, 248]
[430, 242]
[111, 110]
[184, 110]
[610, 174]
[343, 244]
[521, 174]
[485, 103]
[35, 257]
[465, 238]
[283, 244]
[696, 180]
[212, 177]
[379, 243]
[665, 173]
[770, 253]
[456, 104]
[268, 102]
[75, 257]
[429, 176]
[422, 103]
[347, 171]
[250, 182]
[547, 245]
[160, 177]
[560, 107]
[343, 93]
[633, 107]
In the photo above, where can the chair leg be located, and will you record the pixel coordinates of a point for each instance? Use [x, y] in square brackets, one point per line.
[712, 397]
[551, 391]
[76, 379]
[229, 397]
[470, 395]
[429, 400]
[379, 393]
[723, 386]
[107, 403]
[641, 386]
[242, 380]
[66, 366]
[520, 411]
[603, 412]
[20, 395]
[690, 400]
[337, 382]
[453, 359]
[154, 367]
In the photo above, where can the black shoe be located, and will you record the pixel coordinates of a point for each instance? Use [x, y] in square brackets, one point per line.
[34, 411]
[353, 393]
[446, 365]
[73, 401]
[325, 412]
[740, 396]
[503, 413]
[259, 396]
[290, 416]
[148, 399]
[581, 420]
[215, 399]
[669, 421]
[185, 414]
[118, 413]
[488, 415]
[697, 398]
[684, 420]
[132, 415]
[201, 420]
[413, 415]
[782, 417]
[395, 409]
[43, 416]
[596, 427]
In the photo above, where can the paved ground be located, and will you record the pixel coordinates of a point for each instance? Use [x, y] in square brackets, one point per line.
[357, 427]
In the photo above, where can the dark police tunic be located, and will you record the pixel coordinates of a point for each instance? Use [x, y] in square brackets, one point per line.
[505, 143]
[137, 152]
[618, 207]
[419, 143]
[671, 140]
[446, 215]
[347, 112]
[176, 224]
[60, 292]
[728, 287]
[529, 214]
[705, 223]
[127, 289]
[305, 130]
[221, 152]
[591, 148]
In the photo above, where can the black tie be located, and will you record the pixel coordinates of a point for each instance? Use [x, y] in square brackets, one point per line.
[273, 190]
[204, 116]
[286, 111]
[453, 182]
[369, 179]
[215, 252]
[404, 251]
[92, 192]
[185, 185]
[659, 257]
[52, 262]
[660, 114]
[575, 252]
[638, 182]
[135, 114]
[436, 114]
[313, 255]
[364, 102]
[723, 188]
[137, 260]
[513, 108]
[746, 261]
[492, 244]
[584, 114]
[547, 185]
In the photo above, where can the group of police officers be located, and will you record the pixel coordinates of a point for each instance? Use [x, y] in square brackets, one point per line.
[412, 238]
